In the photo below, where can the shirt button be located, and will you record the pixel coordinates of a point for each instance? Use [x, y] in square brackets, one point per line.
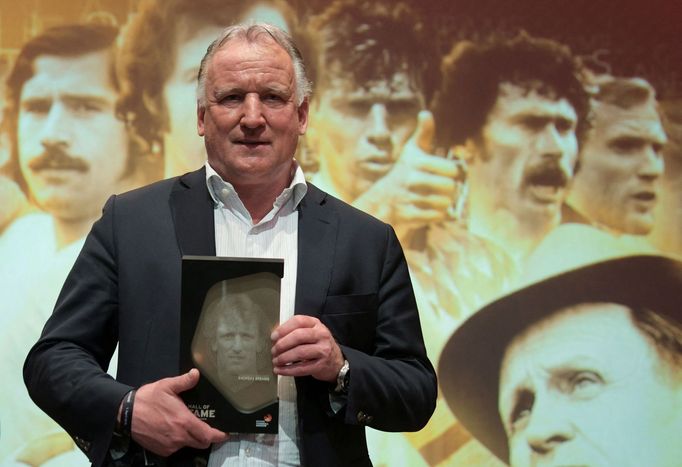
[247, 452]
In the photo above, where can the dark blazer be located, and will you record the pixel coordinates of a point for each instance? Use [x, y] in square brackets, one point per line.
[125, 288]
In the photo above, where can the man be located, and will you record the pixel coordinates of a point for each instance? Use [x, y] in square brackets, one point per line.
[621, 160]
[73, 152]
[581, 368]
[232, 344]
[512, 110]
[370, 131]
[349, 331]
[160, 65]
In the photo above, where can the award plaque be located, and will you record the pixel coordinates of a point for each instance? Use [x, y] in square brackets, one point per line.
[230, 306]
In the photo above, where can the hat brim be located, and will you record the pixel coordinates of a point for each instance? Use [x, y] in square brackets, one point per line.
[469, 366]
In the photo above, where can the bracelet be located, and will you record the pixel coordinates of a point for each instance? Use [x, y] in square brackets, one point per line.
[127, 413]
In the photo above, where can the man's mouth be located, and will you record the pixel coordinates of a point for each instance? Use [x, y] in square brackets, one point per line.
[645, 200]
[547, 183]
[645, 196]
[378, 165]
[252, 143]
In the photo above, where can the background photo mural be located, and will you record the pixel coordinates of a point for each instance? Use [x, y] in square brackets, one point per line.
[506, 142]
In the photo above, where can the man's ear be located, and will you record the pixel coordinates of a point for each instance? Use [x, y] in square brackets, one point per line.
[201, 111]
[302, 111]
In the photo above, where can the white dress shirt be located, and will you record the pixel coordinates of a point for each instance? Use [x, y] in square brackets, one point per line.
[275, 236]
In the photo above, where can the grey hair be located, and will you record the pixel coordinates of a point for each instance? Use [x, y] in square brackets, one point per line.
[251, 31]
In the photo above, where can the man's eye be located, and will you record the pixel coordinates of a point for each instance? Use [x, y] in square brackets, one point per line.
[564, 126]
[84, 107]
[522, 411]
[535, 123]
[403, 109]
[626, 145]
[231, 99]
[584, 384]
[39, 107]
[359, 107]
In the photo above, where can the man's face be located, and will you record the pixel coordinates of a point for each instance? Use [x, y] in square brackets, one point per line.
[362, 129]
[251, 122]
[621, 165]
[238, 344]
[525, 156]
[72, 148]
[183, 149]
[586, 387]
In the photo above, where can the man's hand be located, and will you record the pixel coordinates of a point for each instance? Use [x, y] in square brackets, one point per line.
[419, 189]
[304, 346]
[162, 423]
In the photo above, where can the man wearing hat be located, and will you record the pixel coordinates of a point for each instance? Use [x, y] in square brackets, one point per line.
[581, 368]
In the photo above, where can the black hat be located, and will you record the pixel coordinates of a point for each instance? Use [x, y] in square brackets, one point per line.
[469, 366]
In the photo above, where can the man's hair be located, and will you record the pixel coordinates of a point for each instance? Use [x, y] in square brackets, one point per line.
[371, 40]
[664, 333]
[150, 52]
[71, 40]
[473, 72]
[253, 33]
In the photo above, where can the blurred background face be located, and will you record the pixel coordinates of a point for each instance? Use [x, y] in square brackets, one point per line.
[525, 156]
[238, 344]
[183, 149]
[585, 387]
[72, 148]
[362, 129]
[621, 165]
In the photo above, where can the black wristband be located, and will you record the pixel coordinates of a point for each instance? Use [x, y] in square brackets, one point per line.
[127, 413]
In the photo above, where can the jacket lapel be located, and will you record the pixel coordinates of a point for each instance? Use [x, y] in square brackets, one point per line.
[192, 208]
[317, 229]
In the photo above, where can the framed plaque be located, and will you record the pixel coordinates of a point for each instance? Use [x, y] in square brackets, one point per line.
[229, 308]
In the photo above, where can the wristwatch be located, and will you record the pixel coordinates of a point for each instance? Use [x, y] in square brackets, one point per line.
[343, 378]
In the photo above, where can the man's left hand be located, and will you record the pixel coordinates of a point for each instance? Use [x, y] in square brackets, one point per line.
[304, 346]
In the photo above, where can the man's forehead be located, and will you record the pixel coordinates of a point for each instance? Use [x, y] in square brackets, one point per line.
[87, 74]
[399, 85]
[513, 99]
[639, 121]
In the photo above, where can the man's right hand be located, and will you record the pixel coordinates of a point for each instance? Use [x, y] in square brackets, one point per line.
[419, 189]
[162, 423]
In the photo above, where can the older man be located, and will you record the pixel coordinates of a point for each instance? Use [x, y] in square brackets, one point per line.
[512, 110]
[73, 153]
[581, 368]
[621, 162]
[162, 49]
[348, 351]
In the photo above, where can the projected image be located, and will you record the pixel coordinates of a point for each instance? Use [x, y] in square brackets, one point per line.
[497, 138]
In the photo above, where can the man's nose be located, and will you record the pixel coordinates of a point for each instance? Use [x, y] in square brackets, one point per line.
[551, 142]
[378, 132]
[548, 426]
[252, 112]
[652, 164]
[56, 127]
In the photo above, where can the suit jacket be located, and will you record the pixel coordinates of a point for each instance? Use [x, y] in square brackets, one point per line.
[125, 288]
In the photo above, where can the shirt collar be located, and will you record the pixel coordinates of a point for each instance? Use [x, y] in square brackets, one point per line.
[223, 192]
